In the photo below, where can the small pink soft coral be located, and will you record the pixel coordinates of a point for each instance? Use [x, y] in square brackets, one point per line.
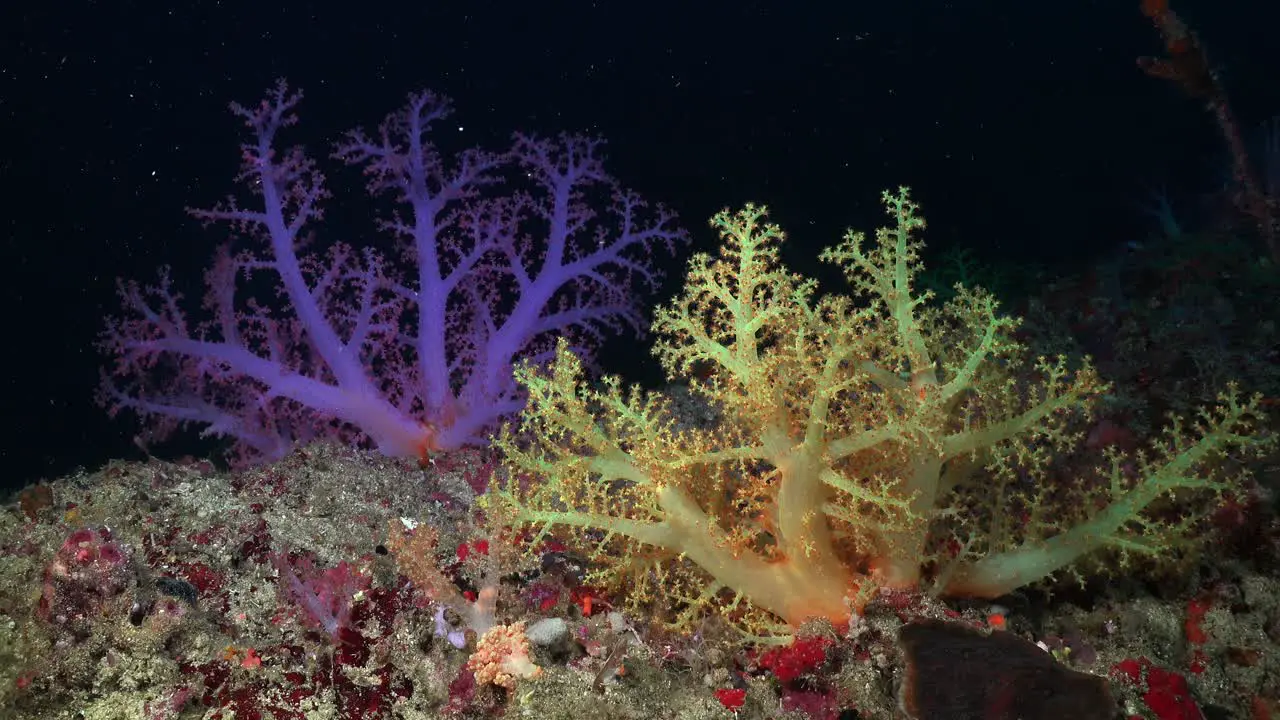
[502, 657]
[87, 572]
[326, 597]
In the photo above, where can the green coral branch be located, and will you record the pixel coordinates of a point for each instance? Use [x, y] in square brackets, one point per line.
[844, 422]
[1180, 465]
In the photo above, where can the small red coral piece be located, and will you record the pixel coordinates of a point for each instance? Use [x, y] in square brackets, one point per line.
[801, 657]
[1192, 626]
[731, 698]
[1167, 693]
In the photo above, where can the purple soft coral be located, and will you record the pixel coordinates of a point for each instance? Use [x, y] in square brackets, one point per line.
[498, 253]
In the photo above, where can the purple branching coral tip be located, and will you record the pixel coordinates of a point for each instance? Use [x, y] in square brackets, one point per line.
[497, 255]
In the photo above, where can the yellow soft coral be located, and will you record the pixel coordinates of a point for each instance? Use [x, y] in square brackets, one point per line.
[857, 437]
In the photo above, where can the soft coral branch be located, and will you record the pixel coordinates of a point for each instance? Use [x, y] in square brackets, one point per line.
[857, 439]
[1186, 63]
[499, 253]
